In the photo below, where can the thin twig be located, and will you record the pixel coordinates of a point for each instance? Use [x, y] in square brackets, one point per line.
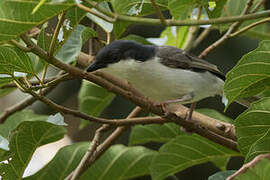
[246, 28]
[226, 36]
[17, 44]
[257, 6]
[201, 37]
[170, 22]
[106, 144]
[159, 13]
[249, 165]
[21, 105]
[100, 15]
[55, 34]
[90, 152]
[192, 32]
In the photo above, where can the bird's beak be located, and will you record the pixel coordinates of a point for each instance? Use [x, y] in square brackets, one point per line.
[92, 67]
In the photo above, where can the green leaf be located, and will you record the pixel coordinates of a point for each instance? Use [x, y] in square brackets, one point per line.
[14, 120]
[175, 36]
[14, 60]
[181, 9]
[65, 160]
[260, 171]
[137, 7]
[93, 99]
[222, 175]
[251, 75]
[16, 16]
[23, 142]
[141, 134]
[72, 47]
[185, 151]
[117, 163]
[252, 127]
[88, 33]
[120, 162]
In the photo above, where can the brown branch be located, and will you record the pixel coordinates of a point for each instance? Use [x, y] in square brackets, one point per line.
[249, 165]
[226, 36]
[30, 100]
[159, 13]
[201, 37]
[21, 105]
[90, 152]
[106, 144]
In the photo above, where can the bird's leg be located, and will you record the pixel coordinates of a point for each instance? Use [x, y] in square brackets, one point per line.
[191, 109]
[183, 99]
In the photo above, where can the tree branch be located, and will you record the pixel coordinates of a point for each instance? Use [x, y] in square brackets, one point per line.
[151, 21]
[226, 36]
[249, 165]
[246, 28]
[106, 144]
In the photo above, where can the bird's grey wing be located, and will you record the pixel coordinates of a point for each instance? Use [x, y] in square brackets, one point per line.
[177, 58]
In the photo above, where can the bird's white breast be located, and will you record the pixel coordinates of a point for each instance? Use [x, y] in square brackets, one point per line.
[163, 83]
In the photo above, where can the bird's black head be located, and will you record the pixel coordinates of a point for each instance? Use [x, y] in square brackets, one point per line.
[121, 50]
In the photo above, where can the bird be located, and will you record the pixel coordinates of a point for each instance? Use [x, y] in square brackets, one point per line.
[162, 73]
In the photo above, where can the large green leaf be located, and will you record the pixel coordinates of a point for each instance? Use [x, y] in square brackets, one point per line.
[93, 99]
[65, 160]
[117, 163]
[16, 16]
[252, 128]
[121, 162]
[251, 75]
[72, 47]
[185, 151]
[23, 142]
[13, 121]
[141, 134]
[260, 171]
[14, 60]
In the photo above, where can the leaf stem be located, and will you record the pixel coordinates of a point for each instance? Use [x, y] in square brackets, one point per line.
[55, 34]
[159, 13]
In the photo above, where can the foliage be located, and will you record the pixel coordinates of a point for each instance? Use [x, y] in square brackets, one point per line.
[24, 131]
